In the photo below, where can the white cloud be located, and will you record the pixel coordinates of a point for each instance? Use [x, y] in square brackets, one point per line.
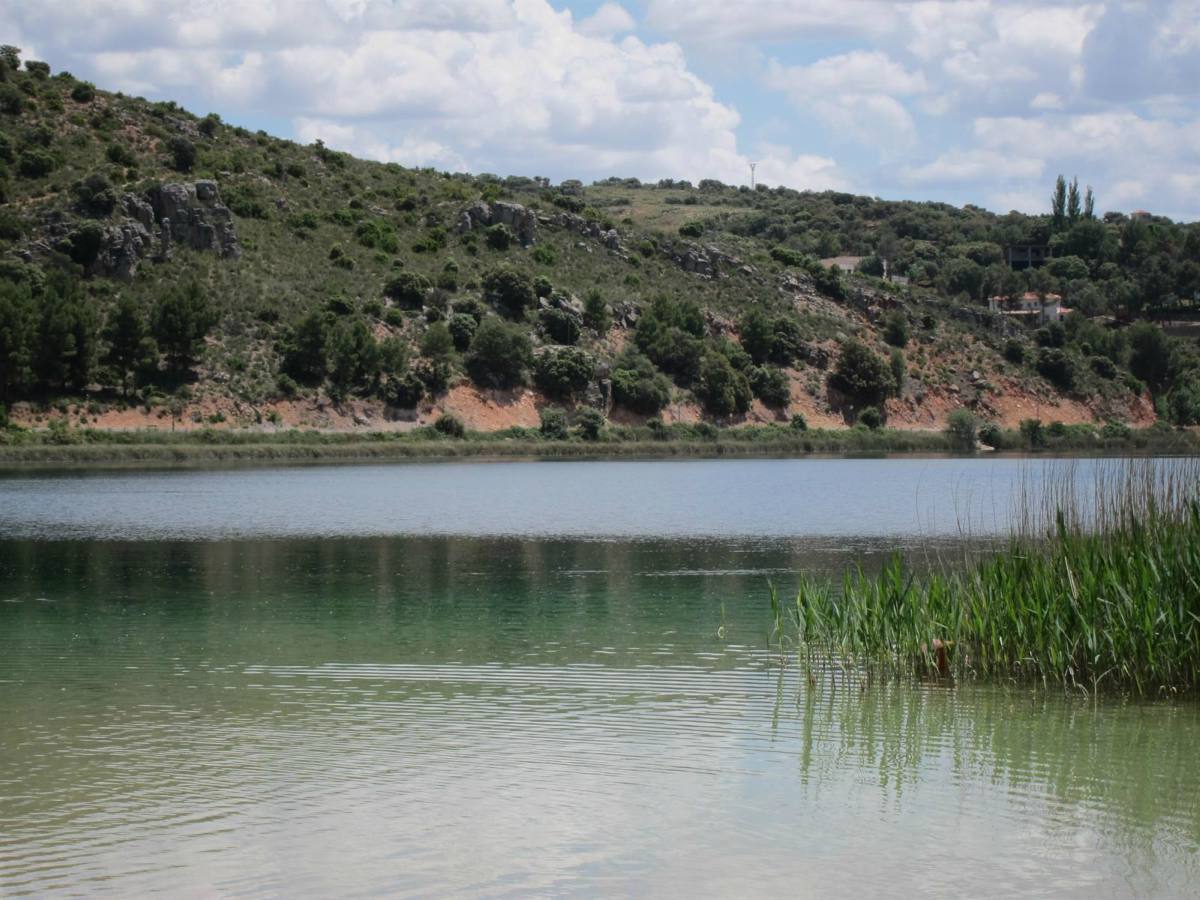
[770, 20]
[608, 21]
[859, 72]
[1046, 100]
[967, 166]
[854, 94]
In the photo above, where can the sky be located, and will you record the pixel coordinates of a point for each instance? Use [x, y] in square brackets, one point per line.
[968, 101]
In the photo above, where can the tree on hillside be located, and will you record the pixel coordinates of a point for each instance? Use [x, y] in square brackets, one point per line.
[130, 346]
[66, 347]
[1058, 203]
[500, 354]
[182, 320]
[18, 331]
[861, 375]
[1074, 209]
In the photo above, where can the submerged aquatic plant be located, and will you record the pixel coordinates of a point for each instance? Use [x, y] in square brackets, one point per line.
[1094, 590]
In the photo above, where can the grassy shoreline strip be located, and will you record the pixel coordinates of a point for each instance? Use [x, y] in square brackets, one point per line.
[84, 445]
[1107, 597]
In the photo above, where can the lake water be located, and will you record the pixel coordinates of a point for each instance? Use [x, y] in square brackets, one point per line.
[531, 679]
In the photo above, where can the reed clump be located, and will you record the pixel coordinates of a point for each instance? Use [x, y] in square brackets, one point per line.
[1098, 588]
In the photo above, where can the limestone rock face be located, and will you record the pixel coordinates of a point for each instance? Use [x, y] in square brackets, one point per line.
[196, 217]
[522, 221]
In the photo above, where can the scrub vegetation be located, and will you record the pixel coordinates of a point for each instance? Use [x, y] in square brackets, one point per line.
[306, 288]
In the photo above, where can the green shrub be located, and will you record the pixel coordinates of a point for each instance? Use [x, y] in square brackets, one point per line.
[83, 92]
[829, 282]
[182, 152]
[722, 389]
[1056, 367]
[670, 332]
[1033, 433]
[1014, 351]
[511, 291]
[499, 237]
[871, 417]
[437, 343]
[637, 385]
[95, 194]
[895, 329]
[544, 255]
[770, 385]
[691, 229]
[590, 422]
[407, 289]
[462, 329]
[564, 373]
[559, 325]
[861, 375]
[500, 354]
[404, 391]
[798, 422]
[962, 429]
[35, 163]
[595, 311]
[450, 425]
[553, 425]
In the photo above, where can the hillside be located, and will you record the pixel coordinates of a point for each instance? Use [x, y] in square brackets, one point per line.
[158, 269]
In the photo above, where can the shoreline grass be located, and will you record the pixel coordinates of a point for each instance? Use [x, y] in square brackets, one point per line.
[1095, 591]
[89, 445]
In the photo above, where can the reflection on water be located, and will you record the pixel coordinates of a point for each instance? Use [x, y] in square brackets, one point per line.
[897, 498]
[417, 716]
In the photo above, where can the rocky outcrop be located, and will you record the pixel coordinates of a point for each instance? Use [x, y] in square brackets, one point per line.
[705, 261]
[148, 227]
[192, 215]
[522, 221]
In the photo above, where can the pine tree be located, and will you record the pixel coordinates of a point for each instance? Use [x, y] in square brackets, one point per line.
[1073, 202]
[181, 322]
[18, 332]
[130, 346]
[1089, 204]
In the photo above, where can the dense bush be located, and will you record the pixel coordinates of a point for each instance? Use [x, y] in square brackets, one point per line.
[637, 385]
[559, 325]
[408, 289]
[962, 428]
[722, 389]
[595, 311]
[861, 375]
[510, 290]
[770, 385]
[895, 329]
[462, 329]
[182, 320]
[553, 425]
[1057, 367]
[564, 373]
[499, 237]
[871, 417]
[450, 425]
[182, 152]
[670, 333]
[590, 422]
[500, 354]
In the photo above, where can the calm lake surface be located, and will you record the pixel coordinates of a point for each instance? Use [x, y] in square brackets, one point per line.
[531, 679]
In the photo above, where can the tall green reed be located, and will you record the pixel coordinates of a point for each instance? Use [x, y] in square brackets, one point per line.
[1099, 587]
